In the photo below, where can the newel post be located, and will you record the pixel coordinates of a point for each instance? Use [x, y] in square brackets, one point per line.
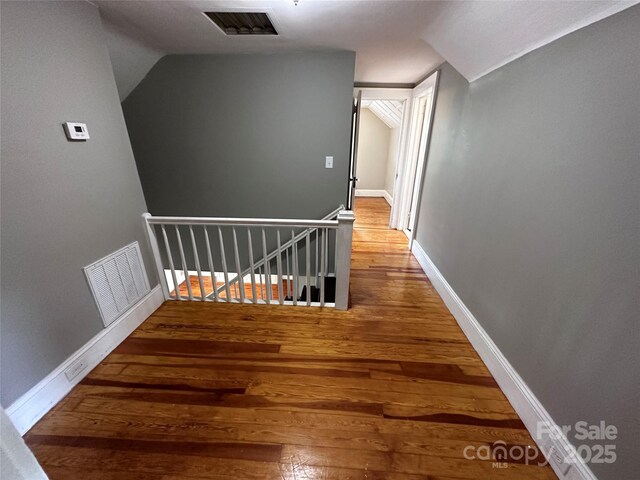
[155, 251]
[344, 237]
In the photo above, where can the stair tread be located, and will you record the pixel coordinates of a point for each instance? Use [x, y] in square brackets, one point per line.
[329, 291]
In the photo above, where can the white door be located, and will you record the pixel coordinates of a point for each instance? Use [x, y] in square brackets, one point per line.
[420, 166]
[415, 150]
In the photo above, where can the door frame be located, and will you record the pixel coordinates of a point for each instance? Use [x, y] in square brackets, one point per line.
[403, 95]
[416, 152]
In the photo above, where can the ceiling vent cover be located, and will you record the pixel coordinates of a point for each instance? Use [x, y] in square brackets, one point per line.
[117, 282]
[242, 23]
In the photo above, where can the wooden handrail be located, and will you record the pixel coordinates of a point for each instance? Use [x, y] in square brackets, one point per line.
[247, 222]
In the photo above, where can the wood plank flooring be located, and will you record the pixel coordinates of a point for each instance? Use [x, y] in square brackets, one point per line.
[390, 389]
[234, 289]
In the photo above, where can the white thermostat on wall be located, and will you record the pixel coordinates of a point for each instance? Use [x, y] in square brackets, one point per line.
[76, 131]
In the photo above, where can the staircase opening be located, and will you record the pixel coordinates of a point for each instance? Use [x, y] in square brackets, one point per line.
[259, 280]
[254, 260]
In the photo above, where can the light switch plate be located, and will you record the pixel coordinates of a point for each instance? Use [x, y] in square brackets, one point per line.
[328, 163]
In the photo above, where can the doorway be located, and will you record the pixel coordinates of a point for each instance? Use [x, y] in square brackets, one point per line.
[391, 135]
[379, 126]
[378, 148]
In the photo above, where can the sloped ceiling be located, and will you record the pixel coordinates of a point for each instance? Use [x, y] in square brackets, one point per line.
[478, 37]
[389, 111]
[395, 41]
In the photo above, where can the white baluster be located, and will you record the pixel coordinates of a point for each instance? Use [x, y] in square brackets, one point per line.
[184, 264]
[252, 267]
[279, 267]
[203, 297]
[261, 283]
[240, 282]
[288, 276]
[308, 264]
[267, 270]
[211, 266]
[322, 275]
[317, 268]
[224, 266]
[294, 266]
[326, 257]
[173, 270]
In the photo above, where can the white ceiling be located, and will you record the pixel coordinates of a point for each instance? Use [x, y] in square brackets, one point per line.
[384, 34]
[478, 37]
[395, 41]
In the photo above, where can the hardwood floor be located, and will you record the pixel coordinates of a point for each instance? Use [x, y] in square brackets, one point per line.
[234, 289]
[390, 389]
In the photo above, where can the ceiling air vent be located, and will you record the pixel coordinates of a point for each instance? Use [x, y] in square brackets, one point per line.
[242, 23]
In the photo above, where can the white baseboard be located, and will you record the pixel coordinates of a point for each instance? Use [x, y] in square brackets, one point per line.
[369, 193]
[525, 403]
[32, 406]
[374, 193]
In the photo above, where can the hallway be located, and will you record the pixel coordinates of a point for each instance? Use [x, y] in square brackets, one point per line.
[389, 389]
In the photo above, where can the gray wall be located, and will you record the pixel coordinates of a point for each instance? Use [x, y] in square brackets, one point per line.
[64, 204]
[243, 135]
[373, 151]
[530, 209]
[130, 58]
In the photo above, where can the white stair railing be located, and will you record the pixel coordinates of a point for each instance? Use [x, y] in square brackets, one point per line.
[267, 261]
[285, 248]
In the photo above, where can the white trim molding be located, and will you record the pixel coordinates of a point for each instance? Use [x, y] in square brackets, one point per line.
[375, 193]
[383, 93]
[34, 404]
[360, 192]
[556, 448]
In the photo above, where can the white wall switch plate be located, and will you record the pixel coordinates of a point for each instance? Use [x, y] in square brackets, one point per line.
[328, 162]
[76, 131]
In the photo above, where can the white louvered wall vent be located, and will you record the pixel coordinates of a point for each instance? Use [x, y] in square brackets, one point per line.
[117, 282]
